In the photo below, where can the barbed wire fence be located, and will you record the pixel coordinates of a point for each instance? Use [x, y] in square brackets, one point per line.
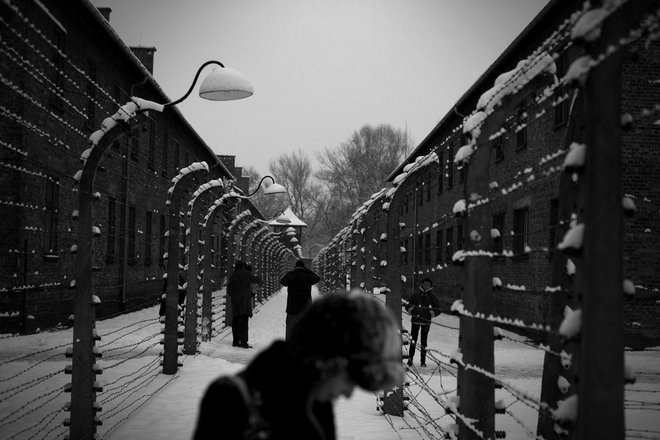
[588, 269]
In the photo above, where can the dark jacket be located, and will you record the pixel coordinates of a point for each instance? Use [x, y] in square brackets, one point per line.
[180, 289]
[299, 286]
[278, 388]
[239, 291]
[420, 305]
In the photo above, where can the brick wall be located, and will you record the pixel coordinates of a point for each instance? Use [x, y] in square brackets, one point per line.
[55, 116]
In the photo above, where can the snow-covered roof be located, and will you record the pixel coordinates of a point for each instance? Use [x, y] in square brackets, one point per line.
[295, 221]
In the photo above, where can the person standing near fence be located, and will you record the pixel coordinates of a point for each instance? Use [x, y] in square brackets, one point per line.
[422, 306]
[240, 294]
[341, 341]
[299, 284]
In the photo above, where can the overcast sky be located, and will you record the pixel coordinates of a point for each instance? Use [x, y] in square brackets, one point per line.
[321, 69]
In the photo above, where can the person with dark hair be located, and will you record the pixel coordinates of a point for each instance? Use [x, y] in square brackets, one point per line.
[299, 284]
[341, 341]
[422, 306]
[240, 295]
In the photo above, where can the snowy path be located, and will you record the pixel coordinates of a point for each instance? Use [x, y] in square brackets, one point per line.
[141, 403]
[172, 413]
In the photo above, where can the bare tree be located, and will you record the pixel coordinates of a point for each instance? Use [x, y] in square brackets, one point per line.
[358, 168]
[294, 171]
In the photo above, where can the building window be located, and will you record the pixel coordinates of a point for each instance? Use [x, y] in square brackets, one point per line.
[418, 251]
[427, 248]
[419, 192]
[177, 153]
[162, 228]
[438, 247]
[55, 102]
[441, 155]
[554, 223]
[214, 250]
[498, 146]
[166, 146]
[135, 144]
[152, 146]
[184, 241]
[521, 130]
[449, 245]
[520, 230]
[148, 237]
[131, 235]
[404, 255]
[111, 248]
[405, 203]
[186, 154]
[562, 108]
[51, 216]
[462, 168]
[450, 166]
[427, 183]
[460, 242]
[498, 223]
[91, 92]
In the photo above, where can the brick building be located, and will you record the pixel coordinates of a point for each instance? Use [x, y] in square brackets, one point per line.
[532, 201]
[63, 71]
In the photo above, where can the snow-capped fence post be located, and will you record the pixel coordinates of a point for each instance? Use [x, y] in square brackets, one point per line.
[260, 267]
[83, 369]
[171, 351]
[601, 359]
[476, 391]
[554, 366]
[194, 278]
[393, 399]
[218, 207]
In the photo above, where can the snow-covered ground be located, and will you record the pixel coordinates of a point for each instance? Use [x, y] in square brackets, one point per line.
[140, 403]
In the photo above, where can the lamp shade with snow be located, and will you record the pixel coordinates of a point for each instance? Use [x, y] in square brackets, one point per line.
[275, 188]
[225, 84]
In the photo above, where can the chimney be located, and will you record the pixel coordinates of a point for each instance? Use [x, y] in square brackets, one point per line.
[105, 12]
[243, 183]
[229, 162]
[146, 56]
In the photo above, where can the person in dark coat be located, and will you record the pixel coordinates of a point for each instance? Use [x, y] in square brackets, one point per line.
[180, 289]
[287, 391]
[240, 295]
[422, 306]
[299, 284]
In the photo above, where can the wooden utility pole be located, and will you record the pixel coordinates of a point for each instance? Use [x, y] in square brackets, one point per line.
[600, 380]
[552, 365]
[207, 284]
[476, 391]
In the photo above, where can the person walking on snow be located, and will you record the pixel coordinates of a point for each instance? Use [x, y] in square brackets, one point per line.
[299, 284]
[240, 294]
[422, 306]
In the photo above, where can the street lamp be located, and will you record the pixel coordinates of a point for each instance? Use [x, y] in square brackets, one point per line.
[224, 84]
[275, 188]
